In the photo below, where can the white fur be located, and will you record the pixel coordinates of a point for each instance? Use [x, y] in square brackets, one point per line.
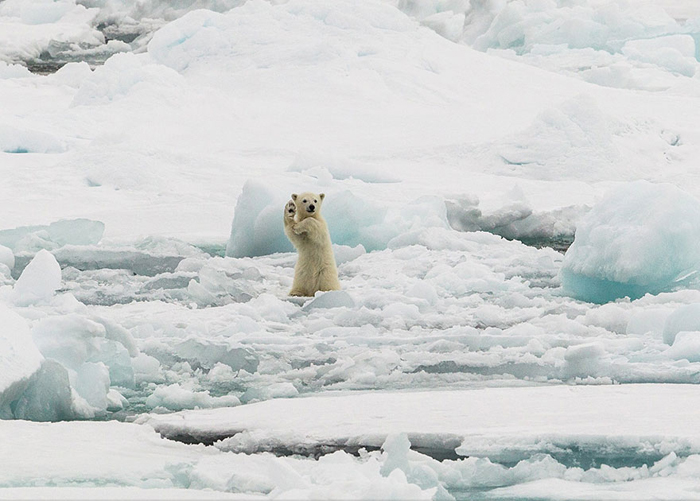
[307, 230]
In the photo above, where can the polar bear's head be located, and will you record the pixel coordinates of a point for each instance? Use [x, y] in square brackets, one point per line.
[308, 204]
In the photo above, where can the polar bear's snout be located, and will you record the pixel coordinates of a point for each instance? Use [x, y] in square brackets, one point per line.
[311, 208]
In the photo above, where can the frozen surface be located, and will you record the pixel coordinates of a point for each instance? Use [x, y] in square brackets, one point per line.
[642, 238]
[132, 460]
[503, 424]
[143, 261]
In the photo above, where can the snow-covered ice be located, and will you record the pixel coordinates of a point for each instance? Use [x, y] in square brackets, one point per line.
[147, 150]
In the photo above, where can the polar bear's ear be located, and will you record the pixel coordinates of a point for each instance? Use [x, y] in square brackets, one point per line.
[294, 196]
[321, 196]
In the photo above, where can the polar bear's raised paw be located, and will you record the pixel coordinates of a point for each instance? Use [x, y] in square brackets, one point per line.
[290, 209]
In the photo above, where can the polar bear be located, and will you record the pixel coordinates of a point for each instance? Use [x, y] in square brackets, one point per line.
[307, 230]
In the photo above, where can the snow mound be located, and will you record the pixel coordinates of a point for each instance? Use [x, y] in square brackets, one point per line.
[330, 299]
[7, 257]
[122, 75]
[353, 220]
[13, 71]
[676, 53]
[577, 136]
[13, 140]
[175, 397]
[205, 35]
[641, 238]
[684, 319]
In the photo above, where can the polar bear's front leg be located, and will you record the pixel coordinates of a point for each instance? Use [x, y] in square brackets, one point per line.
[305, 226]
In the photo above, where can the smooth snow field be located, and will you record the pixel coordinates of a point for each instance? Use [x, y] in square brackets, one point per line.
[513, 196]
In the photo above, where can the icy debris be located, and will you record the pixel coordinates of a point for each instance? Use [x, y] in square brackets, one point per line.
[517, 221]
[175, 397]
[146, 369]
[686, 346]
[29, 29]
[95, 354]
[584, 359]
[396, 446]
[48, 396]
[119, 334]
[168, 281]
[7, 257]
[13, 71]
[647, 321]
[68, 339]
[92, 383]
[116, 358]
[275, 390]
[208, 354]
[641, 238]
[345, 253]
[617, 43]
[19, 358]
[116, 401]
[200, 294]
[684, 318]
[39, 280]
[72, 74]
[524, 26]
[54, 235]
[330, 299]
[676, 53]
[138, 262]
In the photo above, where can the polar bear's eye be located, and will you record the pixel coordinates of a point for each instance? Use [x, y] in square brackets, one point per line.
[303, 201]
[315, 201]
